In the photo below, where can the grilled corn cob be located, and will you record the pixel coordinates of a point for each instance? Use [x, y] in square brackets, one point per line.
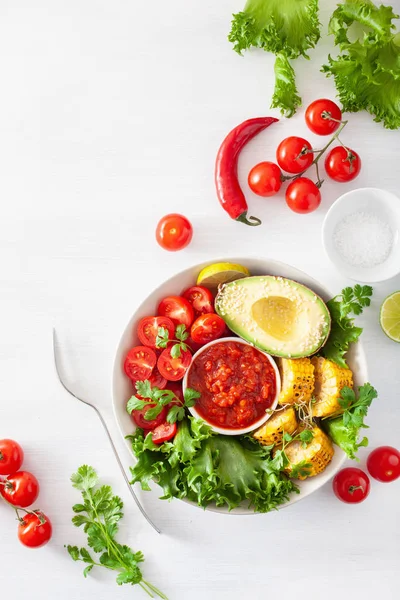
[329, 381]
[311, 460]
[297, 377]
[272, 431]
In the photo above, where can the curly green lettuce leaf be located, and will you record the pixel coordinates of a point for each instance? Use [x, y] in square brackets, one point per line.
[207, 468]
[367, 71]
[344, 430]
[285, 95]
[287, 28]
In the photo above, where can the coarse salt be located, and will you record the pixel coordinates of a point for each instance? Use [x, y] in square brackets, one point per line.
[363, 239]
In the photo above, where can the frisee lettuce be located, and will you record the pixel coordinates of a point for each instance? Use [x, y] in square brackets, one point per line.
[367, 71]
[288, 28]
[207, 468]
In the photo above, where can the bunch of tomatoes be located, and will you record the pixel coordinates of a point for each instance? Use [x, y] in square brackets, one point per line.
[295, 155]
[20, 489]
[352, 485]
[163, 368]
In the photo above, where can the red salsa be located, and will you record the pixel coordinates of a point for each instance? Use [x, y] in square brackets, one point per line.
[237, 384]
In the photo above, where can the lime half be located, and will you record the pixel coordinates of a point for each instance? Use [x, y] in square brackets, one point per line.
[214, 275]
[390, 316]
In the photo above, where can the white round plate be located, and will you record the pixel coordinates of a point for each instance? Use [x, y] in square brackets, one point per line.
[122, 387]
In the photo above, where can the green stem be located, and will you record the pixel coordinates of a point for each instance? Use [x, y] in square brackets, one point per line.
[155, 590]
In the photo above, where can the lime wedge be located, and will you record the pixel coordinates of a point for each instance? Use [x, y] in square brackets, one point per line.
[214, 275]
[390, 316]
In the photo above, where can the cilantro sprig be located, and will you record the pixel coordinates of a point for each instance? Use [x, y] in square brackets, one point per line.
[161, 398]
[99, 514]
[181, 334]
[351, 301]
[344, 426]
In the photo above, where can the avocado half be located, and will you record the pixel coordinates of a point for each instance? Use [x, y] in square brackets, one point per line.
[277, 315]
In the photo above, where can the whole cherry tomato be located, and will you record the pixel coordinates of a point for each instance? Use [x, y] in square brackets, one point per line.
[265, 179]
[294, 154]
[174, 232]
[323, 116]
[20, 489]
[34, 530]
[11, 457]
[303, 196]
[383, 464]
[351, 485]
[342, 164]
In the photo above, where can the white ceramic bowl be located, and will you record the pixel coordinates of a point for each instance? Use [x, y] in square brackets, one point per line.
[122, 387]
[264, 418]
[383, 204]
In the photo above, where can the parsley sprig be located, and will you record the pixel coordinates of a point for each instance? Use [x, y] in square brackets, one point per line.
[355, 409]
[161, 398]
[181, 334]
[99, 514]
[351, 301]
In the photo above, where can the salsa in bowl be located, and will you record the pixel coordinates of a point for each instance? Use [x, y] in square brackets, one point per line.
[239, 386]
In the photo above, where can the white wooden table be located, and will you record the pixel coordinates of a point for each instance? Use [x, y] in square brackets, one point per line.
[111, 115]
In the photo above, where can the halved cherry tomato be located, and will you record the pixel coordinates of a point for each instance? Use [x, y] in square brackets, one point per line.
[11, 457]
[163, 433]
[35, 530]
[303, 196]
[293, 154]
[176, 387]
[171, 368]
[265, 179]
[384, 464]
[147, 329]
[351, 485]
[138, 417]
[139, 363]
[178, 309]
[157, 380]
[342, 164]
[20, 489]
[323, 116]
[207, 328]
[200, 298]
[174, 232]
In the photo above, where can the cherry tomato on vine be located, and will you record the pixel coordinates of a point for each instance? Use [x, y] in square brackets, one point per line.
[200, 298]
[207, 328]
[174, 232]
[294, 154]
[383, 464]
[303, 196]
[323, 116]
[147, 329]
[139, 363]
[34, 530]
[20, 489]
[138, 417]
[11, 457]
[163, 433]
[265, 179]
[172, 368]
[178, 309]
[351, 485]
[342, 164]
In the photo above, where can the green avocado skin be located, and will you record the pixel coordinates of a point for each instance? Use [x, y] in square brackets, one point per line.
[255, 289]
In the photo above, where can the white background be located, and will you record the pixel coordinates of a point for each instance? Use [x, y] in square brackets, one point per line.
[111, 116]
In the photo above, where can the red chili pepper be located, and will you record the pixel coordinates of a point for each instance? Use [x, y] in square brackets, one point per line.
[229, 191]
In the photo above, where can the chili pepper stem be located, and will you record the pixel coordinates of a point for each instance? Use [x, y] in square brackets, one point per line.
[252, 221]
